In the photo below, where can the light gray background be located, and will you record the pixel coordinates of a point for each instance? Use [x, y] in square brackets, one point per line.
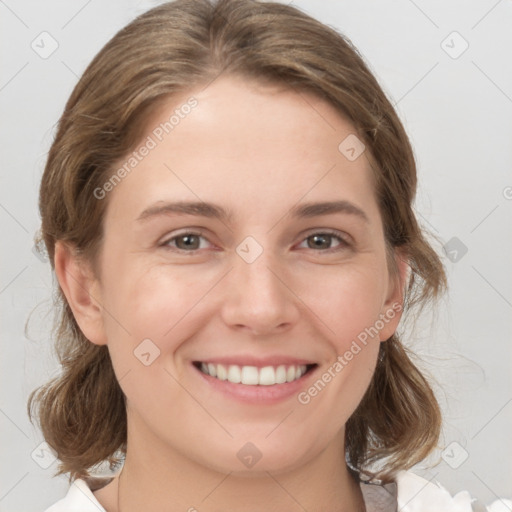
[458, 112]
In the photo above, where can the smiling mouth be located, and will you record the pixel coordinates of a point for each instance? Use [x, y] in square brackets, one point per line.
[252, 375]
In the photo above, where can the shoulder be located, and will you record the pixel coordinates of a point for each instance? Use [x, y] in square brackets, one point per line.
[417, 494]
[79, 498]
[413, 493]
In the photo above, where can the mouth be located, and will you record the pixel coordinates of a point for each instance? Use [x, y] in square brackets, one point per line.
[254, 375]
[255, 382]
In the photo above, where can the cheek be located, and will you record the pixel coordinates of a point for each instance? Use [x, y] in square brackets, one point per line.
[150, 314]
[151, 299]
[153, 303]
[347, 300]
[348, 303]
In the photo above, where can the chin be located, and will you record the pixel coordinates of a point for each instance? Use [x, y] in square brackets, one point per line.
[260, 456]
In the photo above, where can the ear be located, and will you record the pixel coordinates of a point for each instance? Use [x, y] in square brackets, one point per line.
[82, 291]
[393, 307]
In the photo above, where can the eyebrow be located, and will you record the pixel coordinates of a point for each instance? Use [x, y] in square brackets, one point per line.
[210, 210]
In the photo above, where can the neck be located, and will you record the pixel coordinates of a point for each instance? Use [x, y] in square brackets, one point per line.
[155, 478]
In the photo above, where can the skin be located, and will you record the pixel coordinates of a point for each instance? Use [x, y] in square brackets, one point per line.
[257, 151]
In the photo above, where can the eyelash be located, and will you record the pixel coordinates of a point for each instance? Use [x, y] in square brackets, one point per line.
[344, 243]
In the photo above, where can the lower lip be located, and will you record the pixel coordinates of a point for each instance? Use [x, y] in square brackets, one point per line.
[257, 394]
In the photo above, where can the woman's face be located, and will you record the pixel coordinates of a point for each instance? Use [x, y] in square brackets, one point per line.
[248, 236]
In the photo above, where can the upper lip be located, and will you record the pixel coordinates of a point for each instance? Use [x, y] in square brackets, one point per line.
[259, 362]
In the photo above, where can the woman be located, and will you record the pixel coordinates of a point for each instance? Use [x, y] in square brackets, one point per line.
[227, 206]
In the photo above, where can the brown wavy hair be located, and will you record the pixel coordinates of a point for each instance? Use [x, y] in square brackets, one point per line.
[168, 50]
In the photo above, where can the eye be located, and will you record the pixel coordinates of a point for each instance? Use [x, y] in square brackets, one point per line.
[192, 241]
[323, 240]
[188, 241]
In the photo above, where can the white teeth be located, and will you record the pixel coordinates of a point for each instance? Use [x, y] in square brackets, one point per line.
[290, 374]
[267, 376]
[222, 373]
[212, 370]
[281, 374]
[252, 375]
[249, 375]
[234, 374]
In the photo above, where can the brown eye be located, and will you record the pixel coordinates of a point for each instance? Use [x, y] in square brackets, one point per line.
[186, 242]
[320, 241]
[325, 241]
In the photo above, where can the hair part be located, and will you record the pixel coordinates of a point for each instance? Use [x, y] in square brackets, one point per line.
[166, 52]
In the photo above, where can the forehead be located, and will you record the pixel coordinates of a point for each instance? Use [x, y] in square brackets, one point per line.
[254, 146]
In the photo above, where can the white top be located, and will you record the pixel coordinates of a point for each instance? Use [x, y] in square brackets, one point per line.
[410, 493]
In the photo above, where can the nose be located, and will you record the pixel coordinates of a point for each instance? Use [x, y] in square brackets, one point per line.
[258, 298]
